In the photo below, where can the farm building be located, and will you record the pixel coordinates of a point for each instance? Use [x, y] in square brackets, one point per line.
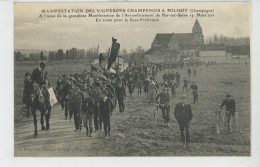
[213, 52]
[176, 45]
[159, 55]
[240, 52]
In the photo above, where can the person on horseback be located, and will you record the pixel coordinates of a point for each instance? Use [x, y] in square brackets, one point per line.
[39, 78]
[41, 97]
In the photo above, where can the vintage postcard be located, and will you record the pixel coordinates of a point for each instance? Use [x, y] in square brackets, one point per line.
[132, 79]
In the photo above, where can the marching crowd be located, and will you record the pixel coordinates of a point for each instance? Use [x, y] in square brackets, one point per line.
[93, 96]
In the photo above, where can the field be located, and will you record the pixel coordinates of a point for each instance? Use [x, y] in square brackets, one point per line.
[134, 133]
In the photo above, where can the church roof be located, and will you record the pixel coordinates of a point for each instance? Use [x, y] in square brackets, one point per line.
[162, 39]
[196, 25]
[185, 38]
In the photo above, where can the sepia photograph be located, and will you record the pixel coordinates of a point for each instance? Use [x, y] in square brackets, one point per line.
[132, 79]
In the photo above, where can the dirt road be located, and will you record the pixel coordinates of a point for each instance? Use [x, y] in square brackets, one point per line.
[62, 140]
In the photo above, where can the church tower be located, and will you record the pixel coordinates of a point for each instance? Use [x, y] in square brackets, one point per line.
[198, 35]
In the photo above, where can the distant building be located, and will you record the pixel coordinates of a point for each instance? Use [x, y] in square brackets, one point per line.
[239, 50]
[213, 52]
[176, 45]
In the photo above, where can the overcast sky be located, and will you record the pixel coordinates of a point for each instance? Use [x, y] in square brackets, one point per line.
[231, 19]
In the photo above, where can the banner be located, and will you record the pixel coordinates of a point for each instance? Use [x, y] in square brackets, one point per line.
[53, 99]
[114, 53]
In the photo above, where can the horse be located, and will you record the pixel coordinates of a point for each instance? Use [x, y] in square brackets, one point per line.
[40, 102]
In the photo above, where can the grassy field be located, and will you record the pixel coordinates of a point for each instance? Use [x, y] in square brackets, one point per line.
[134, 133]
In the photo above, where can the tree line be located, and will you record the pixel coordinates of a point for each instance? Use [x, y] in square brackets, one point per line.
[78, 54]
[69, 54]
[228, 41]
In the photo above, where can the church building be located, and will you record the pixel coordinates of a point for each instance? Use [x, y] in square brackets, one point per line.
[175, 45]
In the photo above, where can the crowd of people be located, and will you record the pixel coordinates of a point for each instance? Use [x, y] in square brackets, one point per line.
[92, 96]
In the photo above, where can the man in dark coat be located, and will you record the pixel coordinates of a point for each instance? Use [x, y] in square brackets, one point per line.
[88, 114]
[194, 89]
[131, 86]
[39, 75]
[139, 84]
[189, 72]
[164, 104]
[164, 77]
[65, 96]
[178, 77]
[75, 103]
[183, 115]
[101, 59]
[121, 95]
[146, 85]
[28, 88]
[105, 112]
[231, 111]
[173, 86]
[96, 109]
[39, 79]
[60, 84]
[185, 84]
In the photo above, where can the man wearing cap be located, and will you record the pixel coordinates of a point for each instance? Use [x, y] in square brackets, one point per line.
[96, 89]
[183, 115]
[231, 111]
[164, 77]
[59, 88]
[88, 112]
[121, 95]
[146, 85]
[65, 95]
[105, 112]
[139, 83]
[164, 104]
[185, 84]
[39, 78]
[131, 86]
[194, 89]
[39, 74]
[189, 72]
[75, 103]
[101, 59]
[173, 86]
[28, 88]
[178, 77]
